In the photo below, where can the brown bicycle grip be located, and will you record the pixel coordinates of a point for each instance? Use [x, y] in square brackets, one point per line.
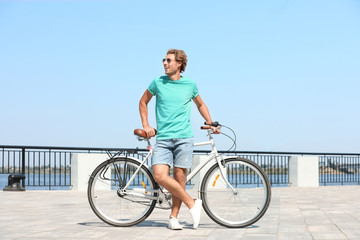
[214, 124]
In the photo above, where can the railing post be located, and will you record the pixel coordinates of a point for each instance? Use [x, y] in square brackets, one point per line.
[23, 165]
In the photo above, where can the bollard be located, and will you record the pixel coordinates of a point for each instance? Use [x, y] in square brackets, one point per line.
[14, 183]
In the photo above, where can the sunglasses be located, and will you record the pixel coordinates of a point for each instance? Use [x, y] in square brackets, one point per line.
[168, 60]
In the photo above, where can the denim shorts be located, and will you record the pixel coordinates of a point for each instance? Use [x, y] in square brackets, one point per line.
[174, 152]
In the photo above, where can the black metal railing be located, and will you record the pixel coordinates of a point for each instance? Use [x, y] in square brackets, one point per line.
[50, 167]
[339, 169]
[43, 168]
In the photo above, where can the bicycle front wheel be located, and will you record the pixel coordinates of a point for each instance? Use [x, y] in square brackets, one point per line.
[114, 204]
[242, 207]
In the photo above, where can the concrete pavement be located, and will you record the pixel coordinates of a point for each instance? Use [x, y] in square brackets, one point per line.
[331, 212]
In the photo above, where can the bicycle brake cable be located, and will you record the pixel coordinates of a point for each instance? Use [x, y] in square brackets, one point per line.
[232, 139]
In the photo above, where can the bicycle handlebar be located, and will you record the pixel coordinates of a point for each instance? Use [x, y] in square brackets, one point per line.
[209, 125]
[140, 133]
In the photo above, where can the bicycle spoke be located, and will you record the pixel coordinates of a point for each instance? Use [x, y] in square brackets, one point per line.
[115, 205]
[245, 207]
[117, 174]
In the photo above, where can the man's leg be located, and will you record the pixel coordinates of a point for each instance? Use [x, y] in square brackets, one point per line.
[180, 177]
[161, 175]
[182, 158]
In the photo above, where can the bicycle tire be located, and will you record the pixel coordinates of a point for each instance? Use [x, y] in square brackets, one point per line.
[241, 209]
[110, 203]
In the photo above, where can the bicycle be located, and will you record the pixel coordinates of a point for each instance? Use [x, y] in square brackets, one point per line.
[235, 191]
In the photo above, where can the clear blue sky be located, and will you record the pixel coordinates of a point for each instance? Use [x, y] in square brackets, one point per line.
[283, 74]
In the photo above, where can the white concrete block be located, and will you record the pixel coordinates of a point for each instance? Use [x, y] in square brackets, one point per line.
[304, 171]
[82, 165]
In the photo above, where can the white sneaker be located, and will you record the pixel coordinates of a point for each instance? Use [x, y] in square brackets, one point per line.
[195, 212]
[174, 224]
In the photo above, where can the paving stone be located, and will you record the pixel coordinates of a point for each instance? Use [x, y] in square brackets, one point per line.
[323, 228]
[331, 212]
[328, 236]
[294, 236]
[291, 228]
[259, 236]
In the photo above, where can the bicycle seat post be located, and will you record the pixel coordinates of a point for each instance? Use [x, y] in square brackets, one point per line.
[148, 144]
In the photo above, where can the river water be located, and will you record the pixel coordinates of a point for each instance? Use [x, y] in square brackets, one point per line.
[39, 181]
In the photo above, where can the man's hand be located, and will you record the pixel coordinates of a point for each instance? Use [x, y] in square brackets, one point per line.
[150, 132]
[216, 130]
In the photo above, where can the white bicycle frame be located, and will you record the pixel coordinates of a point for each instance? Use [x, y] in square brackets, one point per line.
[213, 155]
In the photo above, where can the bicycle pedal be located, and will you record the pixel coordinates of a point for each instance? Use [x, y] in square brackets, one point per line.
[164, 205]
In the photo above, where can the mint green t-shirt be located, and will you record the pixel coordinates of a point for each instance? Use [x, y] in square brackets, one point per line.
[173, 106]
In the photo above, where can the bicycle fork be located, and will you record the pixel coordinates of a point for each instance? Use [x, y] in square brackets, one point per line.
[221, 162]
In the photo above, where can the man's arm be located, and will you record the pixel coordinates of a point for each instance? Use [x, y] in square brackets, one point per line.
[204, 111]
[145, 99]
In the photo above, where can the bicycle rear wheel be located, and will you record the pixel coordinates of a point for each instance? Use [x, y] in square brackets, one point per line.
[118, 206]
[243, 207]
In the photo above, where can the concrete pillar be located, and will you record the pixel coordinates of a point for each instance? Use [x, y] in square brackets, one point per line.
[304, 171]
[82, 165]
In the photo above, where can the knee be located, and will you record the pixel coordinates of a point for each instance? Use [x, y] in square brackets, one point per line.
[160, 173]
[159, 177]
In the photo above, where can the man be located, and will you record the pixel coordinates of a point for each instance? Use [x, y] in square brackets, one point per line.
[174, 141]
